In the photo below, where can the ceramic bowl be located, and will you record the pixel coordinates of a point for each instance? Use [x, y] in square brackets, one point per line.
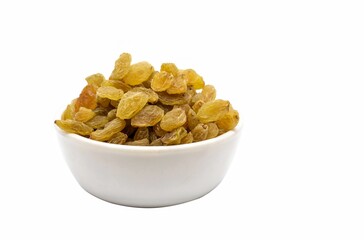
[148, 176]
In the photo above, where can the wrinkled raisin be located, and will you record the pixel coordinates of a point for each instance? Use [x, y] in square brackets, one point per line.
[130, 104]
[122, 67]
[84, 114]
[138, 73]
[213, 111]
[161, 81]
[150, 115]
[73, 126]
[173, 119]
[109, 130]
[110, 93]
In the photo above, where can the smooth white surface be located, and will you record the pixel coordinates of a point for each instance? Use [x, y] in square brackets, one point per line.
[149, 176]
[293, 68]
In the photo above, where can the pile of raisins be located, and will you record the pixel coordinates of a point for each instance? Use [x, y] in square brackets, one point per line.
[140, 106]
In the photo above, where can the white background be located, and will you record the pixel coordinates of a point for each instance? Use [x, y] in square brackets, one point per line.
[294, 69]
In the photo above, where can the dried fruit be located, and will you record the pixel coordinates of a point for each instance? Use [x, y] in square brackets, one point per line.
[173, 99]
[200, 132]
[102, 111]
[141, 133]
[228, 121]
[174, 137]
[138, 73]
[84, 114]
[87, 98]
[122, 66]
[111, 114]
[118, 138]
[193, 79]
[103, 102]
[116, 84]
[141, 142]
[152, 96]
[110, 93]
[161, 81]
[197, 105]
[213, 111]
[213, 130]
[96, 79]
[97, 122]
[73, 126]
[109, 130]
[158, 130]
[170, 68]
[140, 106]
[187, 139]
[130, 104]
[208, 93]
[70, 111]
[179, 85]
[156, 142]
[173, 119]
[192, 119]
[150, 115]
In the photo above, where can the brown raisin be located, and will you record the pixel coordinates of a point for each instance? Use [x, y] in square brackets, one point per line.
[87, 98]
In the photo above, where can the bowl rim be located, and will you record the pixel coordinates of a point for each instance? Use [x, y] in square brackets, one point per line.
[180, 147]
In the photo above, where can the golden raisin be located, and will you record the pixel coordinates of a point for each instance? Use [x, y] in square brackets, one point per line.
[174, 137]
[173, 119]
[193, 79]
[213, 111]
[161, 81]
[170, 68]
[200, 132]
[109, 130]
[97, 122]
[109, 92]
[118, 138]
[96, 79]
[122, 66]
[228, 121]
[130, 104]
[179, 85]
[138, 73]
[72, 126]
[84, 114]
[141, 133]
[150, 115]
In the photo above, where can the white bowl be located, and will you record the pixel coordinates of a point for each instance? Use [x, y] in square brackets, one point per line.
[148, 176]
